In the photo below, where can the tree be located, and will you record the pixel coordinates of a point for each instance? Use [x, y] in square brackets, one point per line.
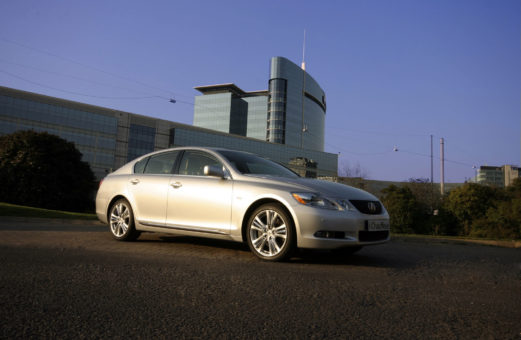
[423, 191]
[353, 171]
[403, 209]
[504, 219]
[42, 170]
[470, 202]
[514, 190]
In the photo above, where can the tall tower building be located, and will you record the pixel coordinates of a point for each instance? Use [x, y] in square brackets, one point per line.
[291, 112]
[296, 107]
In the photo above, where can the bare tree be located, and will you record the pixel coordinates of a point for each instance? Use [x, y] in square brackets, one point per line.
[425, 194]
[356, 170]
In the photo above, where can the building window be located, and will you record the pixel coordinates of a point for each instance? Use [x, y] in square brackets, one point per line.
[277, 111]
[141, 140]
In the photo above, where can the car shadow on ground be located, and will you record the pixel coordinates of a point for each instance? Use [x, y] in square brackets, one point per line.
[381, 256]
[369, 257]
[205, 242]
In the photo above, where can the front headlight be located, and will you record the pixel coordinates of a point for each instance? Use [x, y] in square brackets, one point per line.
[316, 200]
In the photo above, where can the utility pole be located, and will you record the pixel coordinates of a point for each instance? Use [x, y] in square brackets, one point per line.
[432, 166]
[432, 177]
[442, 169]
[303, 90]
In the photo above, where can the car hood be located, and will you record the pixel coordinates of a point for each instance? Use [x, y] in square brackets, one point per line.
[326, 188]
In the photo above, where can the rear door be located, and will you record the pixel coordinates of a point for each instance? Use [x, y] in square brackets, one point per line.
[149, 189]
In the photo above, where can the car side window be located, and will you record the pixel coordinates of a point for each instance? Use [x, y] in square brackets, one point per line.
[193, 163]
[162, 163]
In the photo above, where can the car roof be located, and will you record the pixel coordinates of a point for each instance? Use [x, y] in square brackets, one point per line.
[181, 148]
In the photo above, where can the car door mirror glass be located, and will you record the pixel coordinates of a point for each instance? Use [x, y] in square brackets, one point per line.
[214, 171]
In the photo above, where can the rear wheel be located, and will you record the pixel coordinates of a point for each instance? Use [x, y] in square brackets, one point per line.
[270, 233]
[121, 221]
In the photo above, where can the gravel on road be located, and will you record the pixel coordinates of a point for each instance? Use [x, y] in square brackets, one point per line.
[71, 280]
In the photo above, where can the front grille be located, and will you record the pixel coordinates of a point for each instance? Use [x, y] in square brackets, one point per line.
[368, 207]
[371, 236]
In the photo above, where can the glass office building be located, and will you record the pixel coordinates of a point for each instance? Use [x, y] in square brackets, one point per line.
[141, 140]
[326, 162]
[227, 108]
[93, 133]
[291, 112]
[109, 138]
[296, 107]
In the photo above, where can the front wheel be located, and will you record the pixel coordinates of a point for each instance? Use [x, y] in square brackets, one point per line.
[270, 233]
[121, 221]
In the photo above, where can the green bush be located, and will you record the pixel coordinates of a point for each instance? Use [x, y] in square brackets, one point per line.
[470, 210]
[503, 221]
[403, 208]
[470, 203]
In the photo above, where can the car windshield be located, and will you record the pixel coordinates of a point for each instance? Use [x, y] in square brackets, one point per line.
[247, 163]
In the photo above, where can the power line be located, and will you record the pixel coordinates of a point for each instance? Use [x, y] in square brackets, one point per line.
[170, 93]
[94, 82]
[346, 151]
[382, 132]
[445, 159]
[76, 93]
[72, 77]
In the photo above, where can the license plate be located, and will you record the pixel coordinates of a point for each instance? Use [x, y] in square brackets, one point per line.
[376, 225]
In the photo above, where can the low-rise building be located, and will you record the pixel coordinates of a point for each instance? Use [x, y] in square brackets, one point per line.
[499, 176]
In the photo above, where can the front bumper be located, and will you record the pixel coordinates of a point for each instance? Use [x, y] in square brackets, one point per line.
[331, 229]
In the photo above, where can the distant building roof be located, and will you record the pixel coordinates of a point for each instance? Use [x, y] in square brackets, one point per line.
[229, 87]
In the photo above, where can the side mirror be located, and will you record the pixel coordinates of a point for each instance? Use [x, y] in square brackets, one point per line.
[214, 171]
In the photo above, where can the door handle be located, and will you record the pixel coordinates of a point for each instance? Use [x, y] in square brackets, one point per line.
[134, 181]
[176, 185]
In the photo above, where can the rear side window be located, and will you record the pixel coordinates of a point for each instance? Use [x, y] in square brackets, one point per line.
[140, 166]
[162, 163]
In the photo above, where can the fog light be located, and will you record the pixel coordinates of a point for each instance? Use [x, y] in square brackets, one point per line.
[330, 234]
[321, 234]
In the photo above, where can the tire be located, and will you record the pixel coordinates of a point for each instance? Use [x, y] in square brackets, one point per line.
[121, 221]
[270, 233]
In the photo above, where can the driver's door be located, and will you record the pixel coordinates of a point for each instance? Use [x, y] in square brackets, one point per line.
[198, 202]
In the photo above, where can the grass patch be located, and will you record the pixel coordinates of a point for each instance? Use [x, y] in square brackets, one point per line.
[7, 209]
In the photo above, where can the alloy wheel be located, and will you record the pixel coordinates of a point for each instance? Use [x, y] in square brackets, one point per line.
[120, 219]
[268, 233]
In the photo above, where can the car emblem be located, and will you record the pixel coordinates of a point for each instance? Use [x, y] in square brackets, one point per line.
[372, 207]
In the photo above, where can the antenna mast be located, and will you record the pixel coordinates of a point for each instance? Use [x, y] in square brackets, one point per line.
[304, 52]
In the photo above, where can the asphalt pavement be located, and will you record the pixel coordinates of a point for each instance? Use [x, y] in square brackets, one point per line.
[70, 279]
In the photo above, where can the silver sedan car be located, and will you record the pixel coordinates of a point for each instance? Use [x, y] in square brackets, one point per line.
[225, 194]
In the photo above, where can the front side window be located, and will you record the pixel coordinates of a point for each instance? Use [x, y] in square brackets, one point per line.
[250, 164]
[193, 163]
[161, 164]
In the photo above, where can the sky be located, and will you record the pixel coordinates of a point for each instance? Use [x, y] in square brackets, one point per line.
[395, 72]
